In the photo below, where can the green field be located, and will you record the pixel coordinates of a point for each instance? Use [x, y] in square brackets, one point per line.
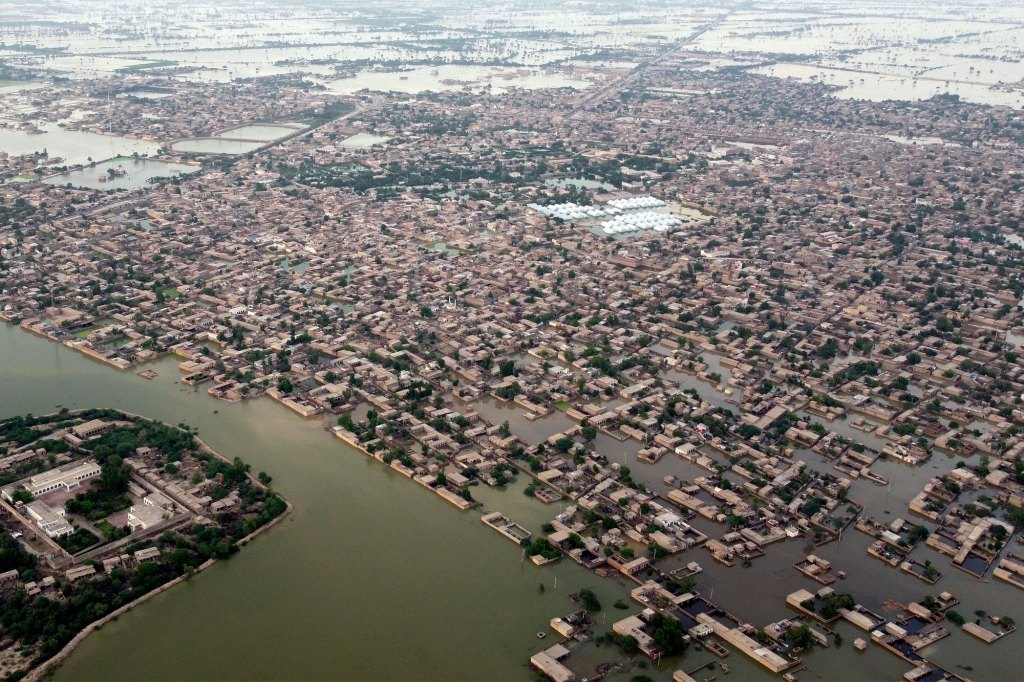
[562, 405]
[157, 64]
[171, 293]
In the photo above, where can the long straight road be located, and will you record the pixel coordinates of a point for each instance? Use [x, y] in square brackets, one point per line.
[619, 84]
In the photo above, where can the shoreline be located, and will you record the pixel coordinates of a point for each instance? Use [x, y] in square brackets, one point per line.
[40, 671]
[451, 498]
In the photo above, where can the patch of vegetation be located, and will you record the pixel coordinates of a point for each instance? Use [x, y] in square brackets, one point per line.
[77, 541]
[589, 599]
[542, 547]
[155, 64]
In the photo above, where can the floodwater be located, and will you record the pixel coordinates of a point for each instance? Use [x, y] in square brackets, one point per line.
[139, 172]
[919, 141]
[880, 86]
[454, 77]
[74, 146]
[11, 86]
[362, 141]
[261, 133]
[216, 145]
[757, 594]
[582, 183]
[372, 577]
[143, 93]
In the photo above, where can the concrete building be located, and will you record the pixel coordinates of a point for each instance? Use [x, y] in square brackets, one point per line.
[91, 429]
[50, 520]
[63, 478]
[145, 516]
[549, 663]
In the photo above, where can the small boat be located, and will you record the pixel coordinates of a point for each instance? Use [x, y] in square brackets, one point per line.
[725, 668]
[541, 635]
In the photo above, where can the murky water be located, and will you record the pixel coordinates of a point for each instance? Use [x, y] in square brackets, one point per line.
[372, 577]
[137, 173]
[362, 141]
[215, 145]
[263, 133]
[72, 145]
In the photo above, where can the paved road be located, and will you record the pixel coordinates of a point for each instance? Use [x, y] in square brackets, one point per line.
[620, 84]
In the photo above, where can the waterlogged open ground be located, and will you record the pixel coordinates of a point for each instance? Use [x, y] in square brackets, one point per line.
[875, 50]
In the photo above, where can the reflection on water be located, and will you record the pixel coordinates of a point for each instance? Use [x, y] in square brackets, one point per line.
[262, 133]
[73, 146]
[452, 77]
[123, 173]
[529, 431]
[879, 87]
[362, 141]
[215, 145]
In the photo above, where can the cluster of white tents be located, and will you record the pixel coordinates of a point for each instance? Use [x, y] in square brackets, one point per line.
[569, 211]
[641, 222]
[630, 215]
[634, 203]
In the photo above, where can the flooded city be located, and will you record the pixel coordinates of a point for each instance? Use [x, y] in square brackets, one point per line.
[569, 340]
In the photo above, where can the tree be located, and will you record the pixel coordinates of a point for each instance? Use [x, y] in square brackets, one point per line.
[749, 431]
[917, 533]
[628, 643]
[800, 636]
[833, 603]
[114, 476]
[12, 556]
[668, 633]
[828, 349]
[563, 444]
[589, 599]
